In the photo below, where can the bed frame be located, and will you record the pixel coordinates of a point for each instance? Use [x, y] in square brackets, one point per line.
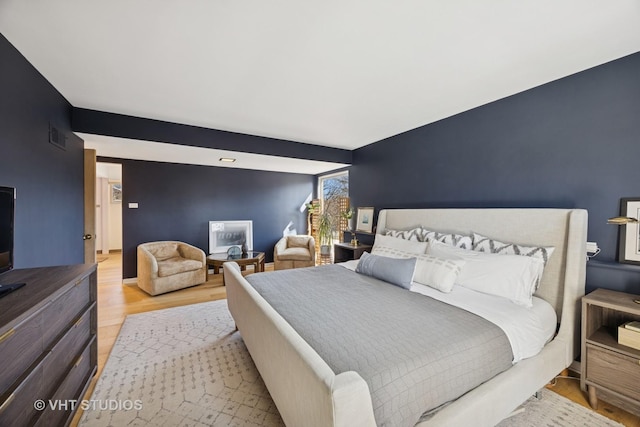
[307, 392]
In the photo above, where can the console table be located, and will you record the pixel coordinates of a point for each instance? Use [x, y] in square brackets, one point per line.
[48, 345]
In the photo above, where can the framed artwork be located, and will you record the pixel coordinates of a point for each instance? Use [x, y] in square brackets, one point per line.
[116, 193]
[629, 245]
[225, 234]
[364, 220]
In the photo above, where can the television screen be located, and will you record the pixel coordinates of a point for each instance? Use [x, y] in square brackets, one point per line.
[7, 206]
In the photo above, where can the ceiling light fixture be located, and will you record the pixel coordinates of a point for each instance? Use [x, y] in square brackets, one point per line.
[227, 159]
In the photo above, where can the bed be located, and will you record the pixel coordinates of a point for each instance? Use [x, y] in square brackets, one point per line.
[308, 392]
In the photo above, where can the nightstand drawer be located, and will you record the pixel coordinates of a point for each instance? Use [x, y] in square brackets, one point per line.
[618, 372]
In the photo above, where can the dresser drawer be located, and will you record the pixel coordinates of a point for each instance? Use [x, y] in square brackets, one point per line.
[19, 348]
[69, 390]
[65, 351]
[60, 313]
[17, 409]
[615, 371]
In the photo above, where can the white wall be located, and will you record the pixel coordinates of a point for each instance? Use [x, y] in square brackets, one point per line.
[109, 233]
[115, 222]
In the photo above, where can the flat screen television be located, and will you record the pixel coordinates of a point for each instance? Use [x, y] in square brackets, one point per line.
[7, 212]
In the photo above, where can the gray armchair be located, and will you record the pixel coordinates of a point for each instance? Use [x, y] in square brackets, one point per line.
[294, 252]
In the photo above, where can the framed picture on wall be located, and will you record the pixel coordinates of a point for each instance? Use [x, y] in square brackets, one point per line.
[365, 220]
[116, 193]
[629, 245]
[225, 234]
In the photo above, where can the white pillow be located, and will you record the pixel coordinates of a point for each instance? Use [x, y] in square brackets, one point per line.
[510, 276]
[438, 273]
[400, 244]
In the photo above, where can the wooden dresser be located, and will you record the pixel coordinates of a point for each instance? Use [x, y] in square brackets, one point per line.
[48, 346]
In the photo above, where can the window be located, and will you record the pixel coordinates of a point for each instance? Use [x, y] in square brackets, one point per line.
[333, 192]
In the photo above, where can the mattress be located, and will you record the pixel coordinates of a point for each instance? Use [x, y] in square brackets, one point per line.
[415, 352]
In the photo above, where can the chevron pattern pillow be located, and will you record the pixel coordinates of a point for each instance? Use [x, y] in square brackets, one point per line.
[422, 234]
[487, 244]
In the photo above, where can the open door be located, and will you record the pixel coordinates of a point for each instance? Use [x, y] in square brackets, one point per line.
[89, 206]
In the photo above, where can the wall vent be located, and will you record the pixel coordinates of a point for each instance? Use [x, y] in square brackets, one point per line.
[57, 138]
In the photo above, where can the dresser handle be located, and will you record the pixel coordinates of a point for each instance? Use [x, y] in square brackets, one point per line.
[77, 361]
[7, 402]
[7, 334]
[78, 322]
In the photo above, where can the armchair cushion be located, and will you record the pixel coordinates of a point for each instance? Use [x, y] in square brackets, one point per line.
[175, 265]
[295, 254]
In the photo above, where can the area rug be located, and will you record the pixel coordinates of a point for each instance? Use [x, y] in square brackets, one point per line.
[186, 366]
[553, 410]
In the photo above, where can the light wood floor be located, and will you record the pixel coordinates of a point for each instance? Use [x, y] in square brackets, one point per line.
[116, 301]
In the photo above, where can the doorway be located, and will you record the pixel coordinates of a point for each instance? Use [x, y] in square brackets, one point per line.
[108, 210]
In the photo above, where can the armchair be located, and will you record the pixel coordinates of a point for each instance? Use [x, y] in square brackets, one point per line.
[168, 266]
[294, 252]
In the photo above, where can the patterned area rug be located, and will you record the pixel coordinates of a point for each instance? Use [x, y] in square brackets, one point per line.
[553, 410]
[181, 366]
[186, 366]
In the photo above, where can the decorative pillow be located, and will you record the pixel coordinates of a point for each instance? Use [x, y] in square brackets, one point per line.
[438, 273]
[413, 234]
[510, 276]
[452, 239]
[396, 271]
[487, 244]
[422, 234]
[400, 244]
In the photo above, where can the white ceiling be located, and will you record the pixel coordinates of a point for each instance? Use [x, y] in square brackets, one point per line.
[335, 73]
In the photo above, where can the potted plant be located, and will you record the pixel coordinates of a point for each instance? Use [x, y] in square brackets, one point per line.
[325, 233]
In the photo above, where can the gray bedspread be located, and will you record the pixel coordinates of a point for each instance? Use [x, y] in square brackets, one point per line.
[414, 352]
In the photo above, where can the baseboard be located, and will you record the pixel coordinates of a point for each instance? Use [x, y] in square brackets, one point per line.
[130, 281]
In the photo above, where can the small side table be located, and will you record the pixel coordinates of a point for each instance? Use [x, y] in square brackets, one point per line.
[250, 258]
[346, 251]
[609, 370]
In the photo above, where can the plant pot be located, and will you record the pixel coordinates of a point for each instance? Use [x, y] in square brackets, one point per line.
[325, 250]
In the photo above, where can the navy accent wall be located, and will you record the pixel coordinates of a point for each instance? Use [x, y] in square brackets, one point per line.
[176, 202]
[110, 124]
[49, 180]
[571, 143]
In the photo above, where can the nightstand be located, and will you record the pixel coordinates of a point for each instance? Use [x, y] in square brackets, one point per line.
[610, 371]
[346, 251]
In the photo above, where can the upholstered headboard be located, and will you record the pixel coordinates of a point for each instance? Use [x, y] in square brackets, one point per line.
[563, 281]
